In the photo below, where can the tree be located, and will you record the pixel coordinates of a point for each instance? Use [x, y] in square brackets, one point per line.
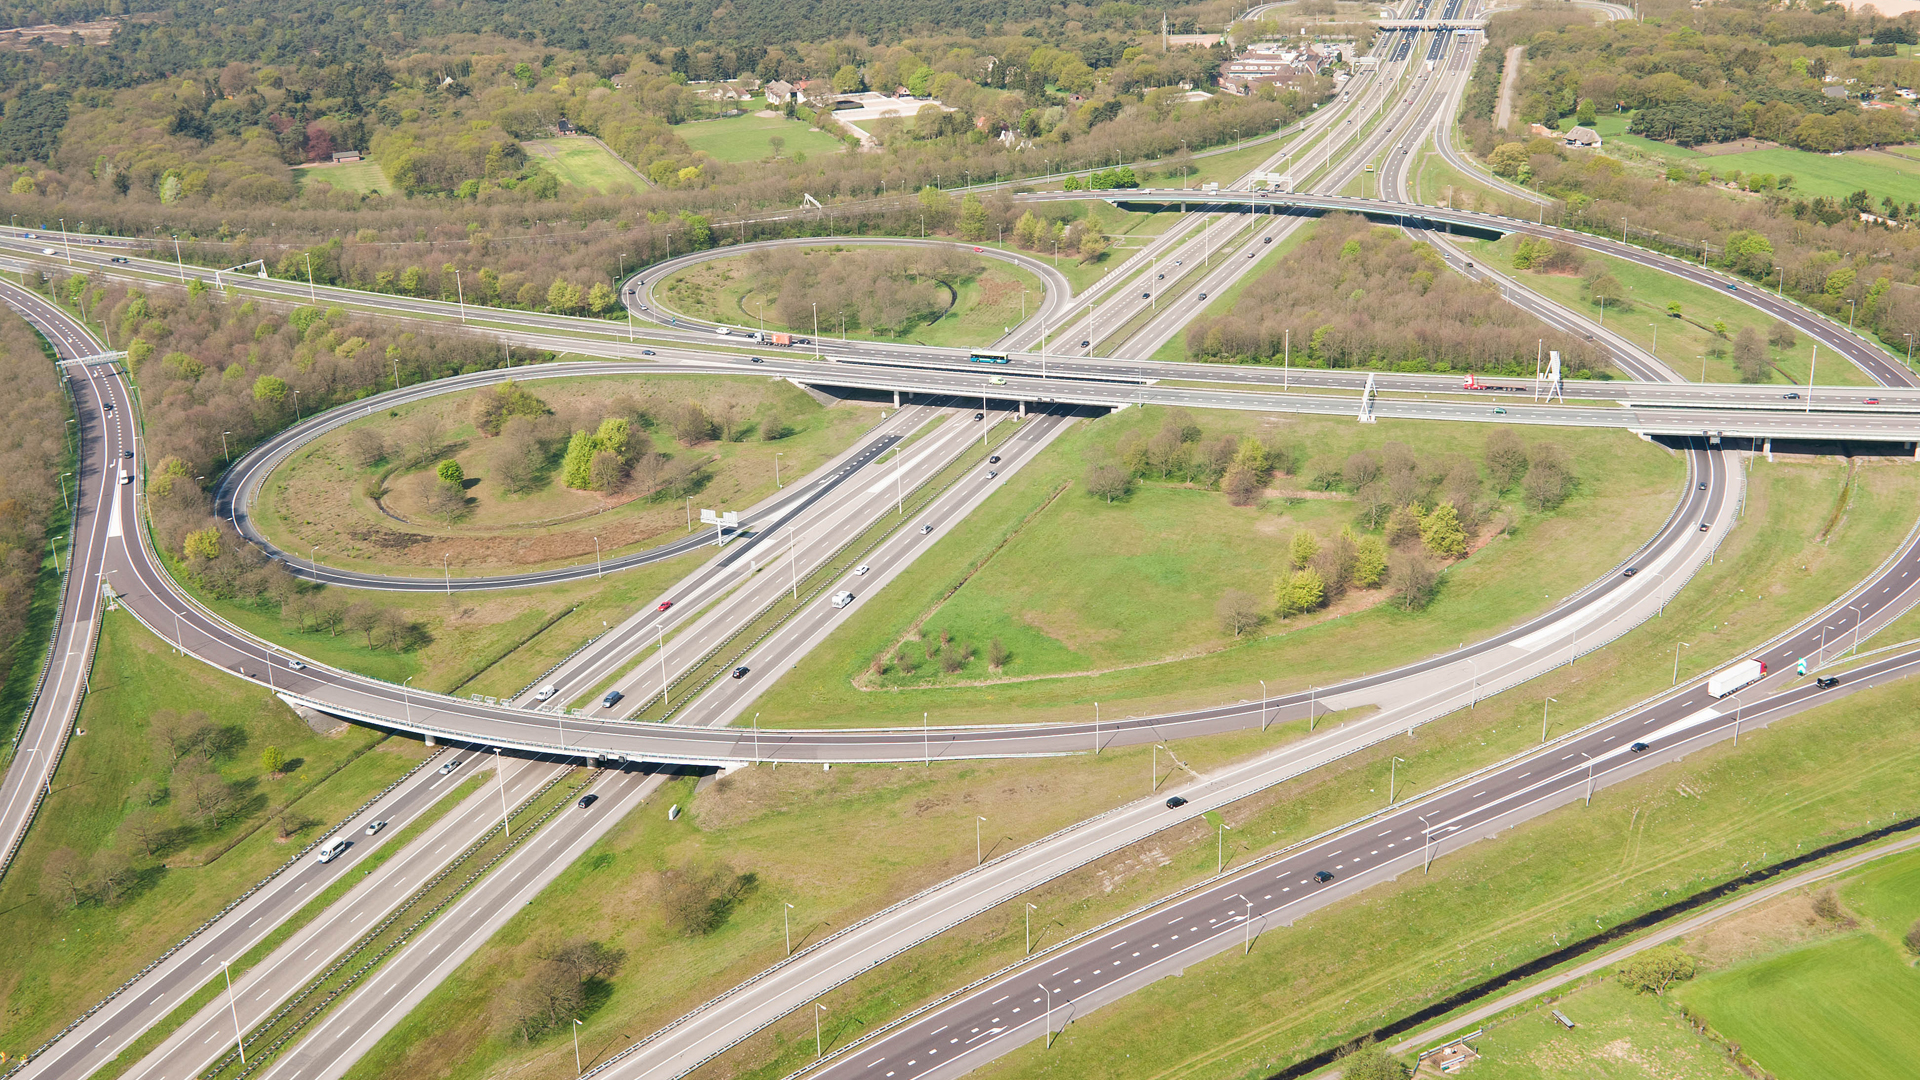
[270, 388]
[112, 872]
[1505, 458]
[1781, 336]
[1913, 938]
[273, 759]
[201, 790]
[1107, 481]
[1411, 579]
[1750, 355]
[64, 875]
[449, 472]
[997, 654]
[364, 447]
[1372, 1063]
[1302, 549]
[606, 472]
[1584, 115]
[494, 407]
[204, 543]
[1242, 487]
[973, 218]
[1369, 561]
[1238, 611]
[601, 298]
[1508, 159]
[774, 426]
[1441, 532]
[445, 502]
[576, 468]
[1093, 244]
[1403, 526]
[1654, 971]
[361, 617]
[1603, 289]
[1303, 590]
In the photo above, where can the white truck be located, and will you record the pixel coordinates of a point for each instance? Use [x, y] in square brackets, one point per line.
[1744, 673]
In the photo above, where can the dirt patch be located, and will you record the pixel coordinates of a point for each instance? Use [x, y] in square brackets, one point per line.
[1765, 929]
[1738, 146]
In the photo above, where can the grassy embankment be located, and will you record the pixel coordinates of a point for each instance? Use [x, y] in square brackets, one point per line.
[1686, 341]
[832, 844]
[58, 959]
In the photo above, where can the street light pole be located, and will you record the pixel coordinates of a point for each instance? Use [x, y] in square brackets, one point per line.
[577, 1070]
[977, 822]
[1248, 951]
[786, 922]
[1030, 910]
[1426, 855]
[1044, 988]
[1263, 704]
[460, 293]
[500, 775]
[818, 1049]
[1589, 758]
[1543, 718]
[1676, 659]
[1393, 776]
[776, 468]
[238, 1039]
[598, 570]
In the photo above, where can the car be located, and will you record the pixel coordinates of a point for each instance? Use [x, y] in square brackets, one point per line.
[997, 380]
[1638, 748]
[613, 698]
[375, 826]
[1705, 525]
[1145, 295]
[546, 692]
[1790, 397]
[1159, 277]
[1179, 262]
[991, 474]
[108, 406]
[664, 605]
[755, 360]
[118, 259]
[646, 352]
[723, 331]
[1703, 485]
[1251, 254]
[977, 251]
[839, 600]
[1498, 411]
[1269, 240]
[1871, 401]
[740, 672]
[1731, 287]
[979, 416]
[1826, 682]
[1203, 296]
[332, 849]
[925, 529]
[1323, 876]
[994, 460]
[450, 766]
[861, 569]
[1630, 571]
[297, 665]
[586, 801]
[48, 251]
[126, 453]
[1085, 343]
[1176, 803]
[30, 236]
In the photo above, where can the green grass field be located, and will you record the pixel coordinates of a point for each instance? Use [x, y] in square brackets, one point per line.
[744, 138]
[984, 307]
[1880, 174]
[1619, 1035]
[1842, 1008]
[585, 163]
[1685, 341]
[55, 960]
[364, 177]
[1113, 612]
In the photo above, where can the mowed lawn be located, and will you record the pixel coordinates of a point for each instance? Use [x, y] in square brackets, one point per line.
[585, 163]
[364, 177]
[1848, 1008]
[744, 138]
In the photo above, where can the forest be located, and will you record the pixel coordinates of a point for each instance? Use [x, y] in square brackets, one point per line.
[33, 448]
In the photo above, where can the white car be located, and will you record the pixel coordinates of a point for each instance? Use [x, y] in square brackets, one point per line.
[296, 665]
[375, 826]
[861, 569]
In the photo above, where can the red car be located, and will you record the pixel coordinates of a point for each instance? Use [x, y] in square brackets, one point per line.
[1871, 401]
[977, 251]
[664, 605]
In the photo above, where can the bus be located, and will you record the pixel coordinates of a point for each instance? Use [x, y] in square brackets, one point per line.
[990, 358]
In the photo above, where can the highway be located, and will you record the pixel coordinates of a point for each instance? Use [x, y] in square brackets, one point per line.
[42, 737]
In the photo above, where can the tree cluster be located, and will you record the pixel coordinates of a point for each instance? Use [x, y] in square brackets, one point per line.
[566, 981]
[1361, 296]
[33, 426]
[698, 901]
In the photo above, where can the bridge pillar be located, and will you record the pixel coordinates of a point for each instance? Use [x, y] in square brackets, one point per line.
[430, 741]
[896, 399]
[1023, 416]
[1770, 449]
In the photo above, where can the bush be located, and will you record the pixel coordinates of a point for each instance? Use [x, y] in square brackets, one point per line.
[698, 902]
[1372, 1063]
[1656, 970]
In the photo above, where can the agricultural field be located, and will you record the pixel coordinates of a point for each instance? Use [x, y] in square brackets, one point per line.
[586, 163]
[746, 138]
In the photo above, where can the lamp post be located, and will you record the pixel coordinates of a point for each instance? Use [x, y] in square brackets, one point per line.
[224, 452]
[1589, 758]
[577, 1070]
[1393, 777]
[312, 296]
[1263, 704]
[977, 854]
[406, 698]
[786, 921]
[238, 1039]
[1850, 312]
[819, 1050]
[1426, 855]
[1248, 950]
[66, 240]
[460, 295]
[598, 570]
[1044, 989]
[776, 468]
[178, 264]
[1676, 659]
[446, 571]
[500, 774]
[1030, 910]
[1543, 716]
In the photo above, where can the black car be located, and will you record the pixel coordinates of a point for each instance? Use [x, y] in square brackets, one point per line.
[118, 259]
[1638, 748]
[1323, 876]
[1826, 682]
[994, 460]
[587, 800]
[646, 352]
[126, 453]
[979, 416]
[756, 360]
[1790, 397]
[1176, 803]
[1203, 296]
[1705, 525]
[1703, 485]
[1144, 295]
[613, 698]
[740, 673]
[1630, 571]
[1084, 343]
